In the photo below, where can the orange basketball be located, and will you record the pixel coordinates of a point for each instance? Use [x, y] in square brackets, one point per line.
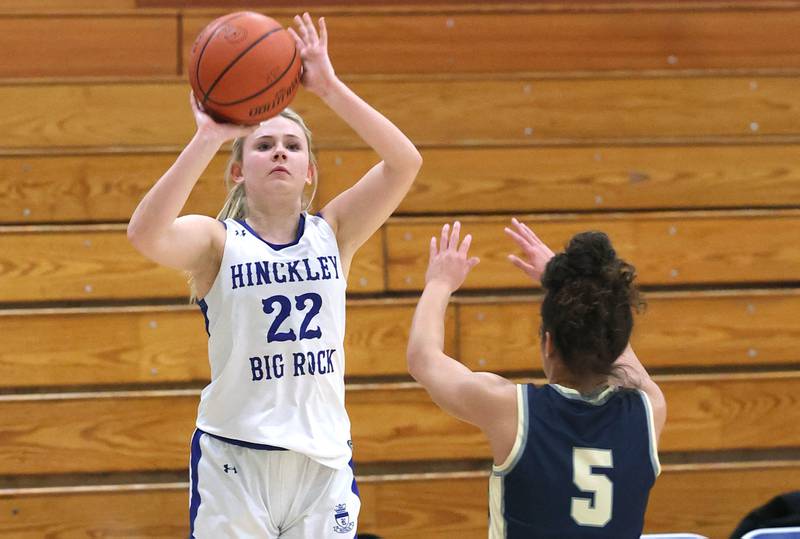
[244, 68]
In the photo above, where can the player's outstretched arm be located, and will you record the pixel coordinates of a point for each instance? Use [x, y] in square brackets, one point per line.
[483, 399]
[155, 229]
[359, 211]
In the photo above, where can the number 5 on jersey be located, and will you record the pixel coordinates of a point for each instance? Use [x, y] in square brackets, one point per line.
[584, 512]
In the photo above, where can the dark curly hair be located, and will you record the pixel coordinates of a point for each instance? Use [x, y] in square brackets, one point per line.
[588, 304]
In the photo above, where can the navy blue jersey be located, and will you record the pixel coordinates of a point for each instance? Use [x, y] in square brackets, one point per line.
[581, 466]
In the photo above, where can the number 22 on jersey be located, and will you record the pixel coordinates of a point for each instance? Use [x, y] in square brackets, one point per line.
[284, 304]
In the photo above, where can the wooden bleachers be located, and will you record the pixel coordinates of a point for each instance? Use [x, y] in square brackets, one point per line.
[673, 127]
[409, 506]
[667, 248]
[129, 431]
[166, 344]
[419, 42]
[519, 110]
[714, 329]
[106, 187]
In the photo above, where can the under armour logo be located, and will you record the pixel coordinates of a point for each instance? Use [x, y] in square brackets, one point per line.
[228, 468]
[240, 233]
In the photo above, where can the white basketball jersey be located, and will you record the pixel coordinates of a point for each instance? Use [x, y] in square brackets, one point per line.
[275, 318]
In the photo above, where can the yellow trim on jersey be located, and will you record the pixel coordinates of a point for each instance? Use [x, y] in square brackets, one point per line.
[651, 428]
[522, 433]
[497, 522]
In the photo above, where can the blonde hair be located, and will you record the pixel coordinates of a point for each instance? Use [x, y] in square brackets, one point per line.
[235, 205]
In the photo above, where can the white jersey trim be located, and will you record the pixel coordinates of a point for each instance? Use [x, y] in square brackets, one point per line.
[522, 434]
[651, 429]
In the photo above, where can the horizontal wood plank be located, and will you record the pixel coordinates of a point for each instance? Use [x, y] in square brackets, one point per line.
[68, 46]
[666, 248]
[677, 330]
[330, 7]
[95, 187]
[513, 41]
[80, 263]
[129, 432]
[523, 111]
[462, 180]
[23, 7]
[436, 506]
[169, 344]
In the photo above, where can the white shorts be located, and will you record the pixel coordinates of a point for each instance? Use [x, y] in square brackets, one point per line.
[239, 492]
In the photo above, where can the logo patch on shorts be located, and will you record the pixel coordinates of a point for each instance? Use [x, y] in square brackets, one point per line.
[343, 522]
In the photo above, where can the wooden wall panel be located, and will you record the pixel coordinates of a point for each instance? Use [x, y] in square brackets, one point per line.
[87, 263]
[112, 46]
[141, 511]
[466, 180]
[103, 346]
[712, 500]
[168, 344]
[665, 248]
[441, 43]
[677, 330]
[79, 263]
[17, 7]
[94, 187]
[718, 412]
[523, 111]
[150, 345]
[390, 423]
[107, 187]
[396, 507]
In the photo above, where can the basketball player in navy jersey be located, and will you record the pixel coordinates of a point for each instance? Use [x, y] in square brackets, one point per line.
[271, 456]
[576, 457]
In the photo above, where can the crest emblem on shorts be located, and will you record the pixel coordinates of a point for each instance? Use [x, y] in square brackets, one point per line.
[343, 522]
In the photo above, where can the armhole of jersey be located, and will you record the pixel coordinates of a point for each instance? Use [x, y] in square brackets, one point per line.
[522, 433]
[651, 431]
[203, 299]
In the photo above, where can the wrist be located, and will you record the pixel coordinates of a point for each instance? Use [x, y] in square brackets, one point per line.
[208, 139]
[330, 87]
[439, 287]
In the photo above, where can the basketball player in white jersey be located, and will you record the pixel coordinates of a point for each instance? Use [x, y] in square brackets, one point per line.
[574, 458]
[271, 456]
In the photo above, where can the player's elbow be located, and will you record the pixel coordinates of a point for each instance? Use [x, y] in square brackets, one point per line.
[135, 236]
[416, 357]
[415, 160]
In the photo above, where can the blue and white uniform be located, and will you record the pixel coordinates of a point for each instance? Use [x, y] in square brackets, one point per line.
[272, 448]
[581, 466]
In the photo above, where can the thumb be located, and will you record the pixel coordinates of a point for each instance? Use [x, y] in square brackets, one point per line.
[473, 261]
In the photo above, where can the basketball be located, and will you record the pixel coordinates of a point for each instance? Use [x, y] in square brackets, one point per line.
[244, 68]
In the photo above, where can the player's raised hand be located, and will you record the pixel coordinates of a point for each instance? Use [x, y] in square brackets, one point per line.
[219, 131]
[450, 262]
[318, 73]
[537, 254]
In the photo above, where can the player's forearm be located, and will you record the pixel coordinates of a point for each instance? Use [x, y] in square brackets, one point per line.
[393, 147]
[163, 203]
[426, 339]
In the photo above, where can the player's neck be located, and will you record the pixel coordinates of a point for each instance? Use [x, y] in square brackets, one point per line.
[583, 386]
[277, 226]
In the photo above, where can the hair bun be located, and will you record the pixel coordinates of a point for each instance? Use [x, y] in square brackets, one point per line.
[590, 254]
[587, 255]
